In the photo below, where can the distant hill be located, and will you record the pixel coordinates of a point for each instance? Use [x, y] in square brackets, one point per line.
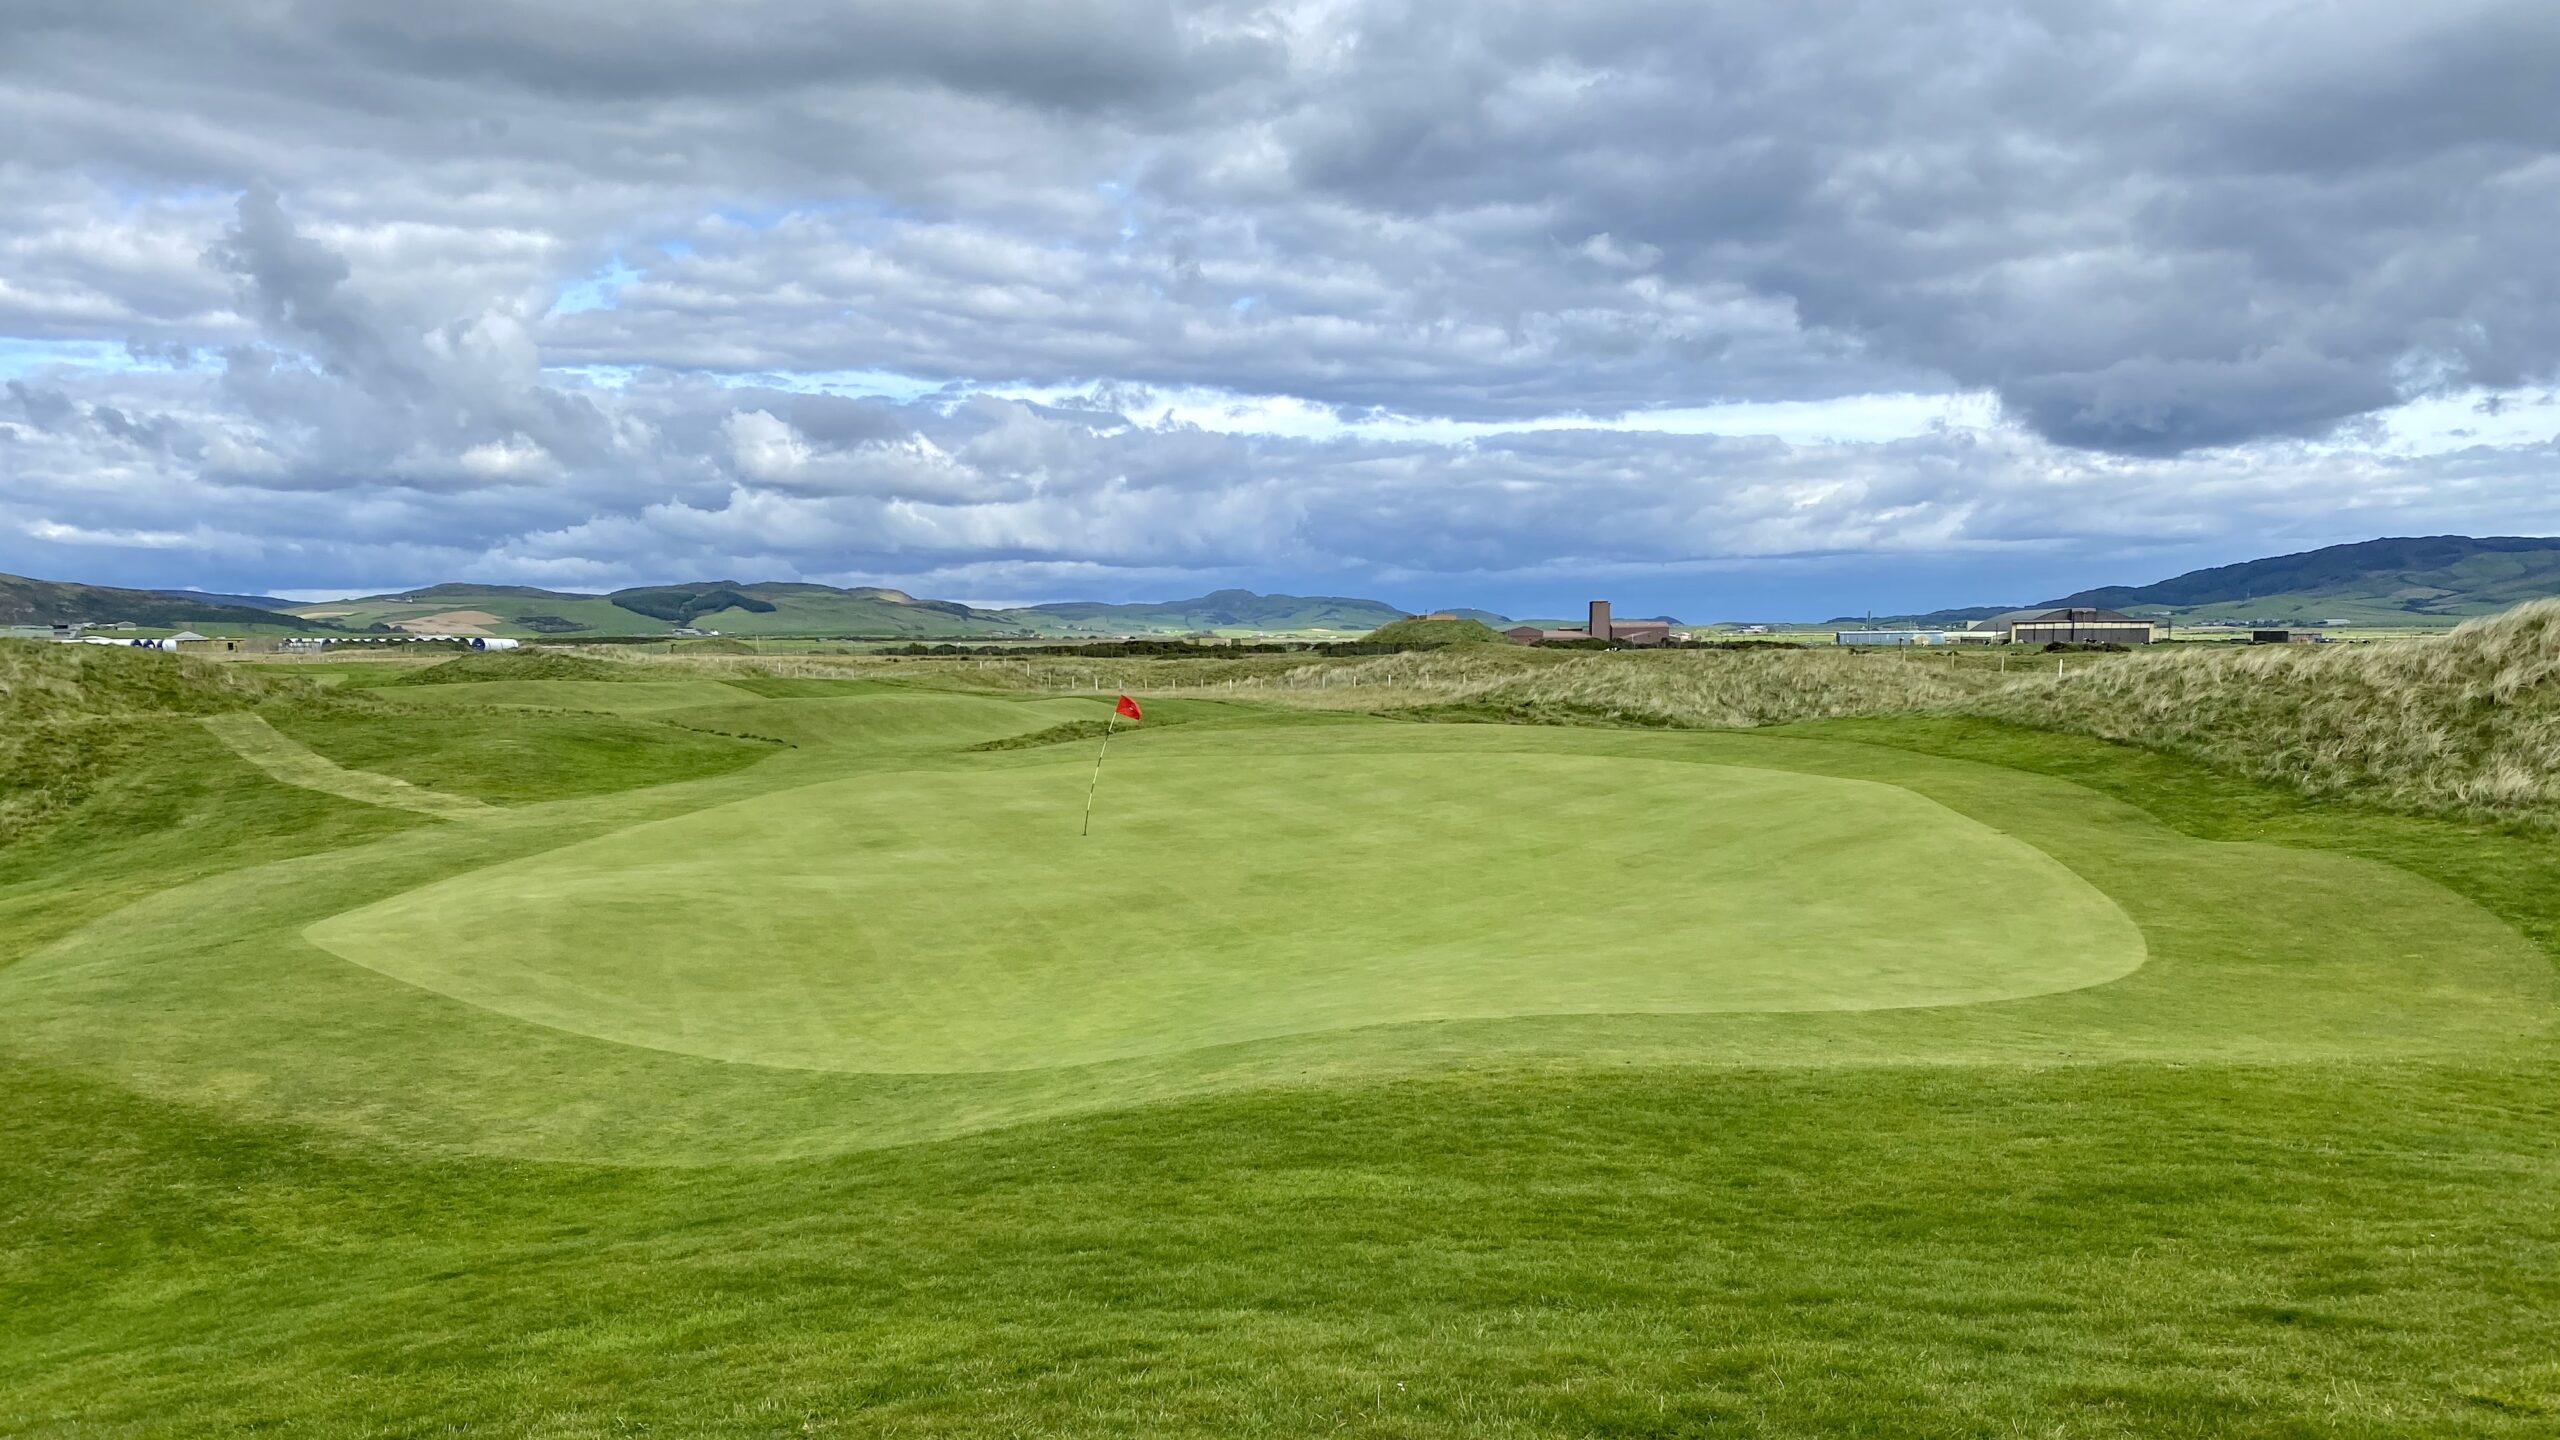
[247, 602]
[466, 591]
[1958, 617]
[1218, 610]
[728, 606]
[782, 607]
[2394, 580]
[54, 602]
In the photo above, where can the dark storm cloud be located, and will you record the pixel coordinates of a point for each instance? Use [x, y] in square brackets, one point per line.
[2147, 227]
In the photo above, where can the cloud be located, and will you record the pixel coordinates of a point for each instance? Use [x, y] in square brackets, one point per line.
[1359, 290]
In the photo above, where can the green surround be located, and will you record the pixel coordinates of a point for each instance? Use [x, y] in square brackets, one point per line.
[2289, 1178]
[951, 921]
[2255, 952]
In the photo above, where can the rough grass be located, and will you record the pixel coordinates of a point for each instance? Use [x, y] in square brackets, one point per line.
[41, 682]
[1688, 689]
[1723, 689]
[2468, 724]
[518, 665]
[70, 714]
[2465, 724]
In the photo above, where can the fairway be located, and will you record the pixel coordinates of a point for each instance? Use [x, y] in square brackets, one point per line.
[940, 921]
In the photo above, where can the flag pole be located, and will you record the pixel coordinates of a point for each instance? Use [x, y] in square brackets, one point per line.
[1097, 771]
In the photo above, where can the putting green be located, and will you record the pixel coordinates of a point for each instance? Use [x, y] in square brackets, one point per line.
[953, 920]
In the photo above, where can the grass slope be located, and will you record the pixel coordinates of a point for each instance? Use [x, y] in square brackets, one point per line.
[1459, 631]
[72, 714]
[2468, 723]
[282, 758]
[1217, 610]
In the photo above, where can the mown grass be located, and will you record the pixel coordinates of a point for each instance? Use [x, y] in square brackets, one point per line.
[1059, 948]
[2304, 1251]
[1598, 1238]
[516, 757]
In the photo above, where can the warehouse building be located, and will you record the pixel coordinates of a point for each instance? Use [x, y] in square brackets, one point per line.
[1889, 637]
[2070, 625]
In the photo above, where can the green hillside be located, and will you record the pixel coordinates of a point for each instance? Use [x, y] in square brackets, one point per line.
[216, 597]
[54, 602]
[1955, 618]
[1217, 610]
[728, 606]
[2391, 581]
[775, 607]
[467, 591]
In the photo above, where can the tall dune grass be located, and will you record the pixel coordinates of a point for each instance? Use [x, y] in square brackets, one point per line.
[2463, 724]
[1715, 689]
[71, 713]
[2468, 723]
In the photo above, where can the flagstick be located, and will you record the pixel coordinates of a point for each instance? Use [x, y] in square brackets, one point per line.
[1097, 771]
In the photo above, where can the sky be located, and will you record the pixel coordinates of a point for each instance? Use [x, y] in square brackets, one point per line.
[1734, 311]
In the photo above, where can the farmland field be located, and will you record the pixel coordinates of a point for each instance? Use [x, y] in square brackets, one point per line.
[737, 1054]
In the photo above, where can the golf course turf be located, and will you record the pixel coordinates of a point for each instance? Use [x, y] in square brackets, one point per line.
[785, 929]
[1895, 1077]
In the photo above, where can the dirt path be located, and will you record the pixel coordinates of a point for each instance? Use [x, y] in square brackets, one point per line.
[289, 760]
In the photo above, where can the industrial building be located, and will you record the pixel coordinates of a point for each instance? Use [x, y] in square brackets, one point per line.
[1599, 627]
[2070, 625]
[1889, 637]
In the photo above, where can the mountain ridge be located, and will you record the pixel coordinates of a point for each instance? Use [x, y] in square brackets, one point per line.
[2403, 577]
[28, 601]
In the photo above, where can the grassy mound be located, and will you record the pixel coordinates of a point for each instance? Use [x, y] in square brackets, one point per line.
[41, 682]
[70, 714]
[1735, 689]
[721, 646]
[1676, 689]
[518, 665]
[2468, 723]
[1436, 632]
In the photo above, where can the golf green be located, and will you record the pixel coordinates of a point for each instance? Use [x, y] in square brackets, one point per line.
[949, 920]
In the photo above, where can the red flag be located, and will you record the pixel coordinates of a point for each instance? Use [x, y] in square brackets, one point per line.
[1129, 708]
